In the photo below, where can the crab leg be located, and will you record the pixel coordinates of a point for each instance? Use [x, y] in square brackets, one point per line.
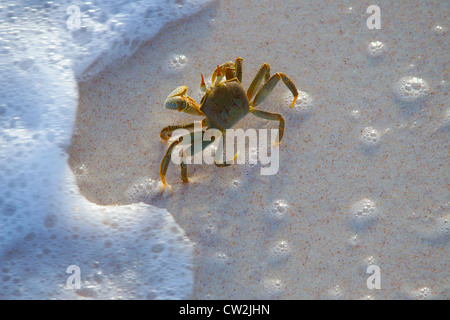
[271, 116]
[263, 72]
[238, 66]
[166, 133]
[167, 157]
[220, 149]
[205, 144]
[229, 69]
[166, 160]
[270, 84]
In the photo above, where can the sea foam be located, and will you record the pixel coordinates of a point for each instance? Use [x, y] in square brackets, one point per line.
[46, 226]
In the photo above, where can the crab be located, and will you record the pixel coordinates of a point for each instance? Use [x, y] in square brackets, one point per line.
[223, 105]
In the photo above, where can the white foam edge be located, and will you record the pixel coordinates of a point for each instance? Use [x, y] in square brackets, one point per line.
[39, 101]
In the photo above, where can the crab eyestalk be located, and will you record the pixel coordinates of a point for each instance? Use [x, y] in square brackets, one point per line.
[229, 73]
[217, 76]
[202, 84]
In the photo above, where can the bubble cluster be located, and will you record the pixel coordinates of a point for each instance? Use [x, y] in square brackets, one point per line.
[280, 251]
[423, 293]
[209, 232]
[143, 190]
[367, 262]
[442, 225]
[221, 259]
[411, 89]
[439, 232]
[363, 214]
[236, 183]
[370, 137]
[304, 103]
[445, 122]
[80, 170]
[277, 212]
[355, 114]
[375, 49]
[177, 62]
[272, 288]
[439, 30]
[210, 151]
[352, 242]
[335, 293]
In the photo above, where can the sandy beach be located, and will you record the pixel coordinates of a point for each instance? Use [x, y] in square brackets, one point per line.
[352, 144]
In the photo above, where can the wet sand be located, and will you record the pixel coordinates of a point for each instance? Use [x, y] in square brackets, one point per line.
[290, 235]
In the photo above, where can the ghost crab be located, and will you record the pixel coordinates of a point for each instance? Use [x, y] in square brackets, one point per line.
[223, 105]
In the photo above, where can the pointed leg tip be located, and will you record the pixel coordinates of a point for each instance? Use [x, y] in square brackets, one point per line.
[293, 102]
[164, 188]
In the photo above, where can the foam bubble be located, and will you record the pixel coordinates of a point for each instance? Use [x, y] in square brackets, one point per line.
[439, 30]
[353, 242]
[220, 259]
[363, 214]
[447, 116]
[335, 293]
[209, 232]
[272, 288]
[143, 190]
[375, 49]
[445, 121]
[370, 137]
[177, 62]
[277, 212]
[210, 151]
[355, 114]
[444, 294]
[423, 293]
[280, 251]
[439, 232]
[304, 103]
[236, 183]
[411, 89]
[368, 297]
[367, 262]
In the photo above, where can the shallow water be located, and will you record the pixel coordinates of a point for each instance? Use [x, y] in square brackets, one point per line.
[363, 171]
